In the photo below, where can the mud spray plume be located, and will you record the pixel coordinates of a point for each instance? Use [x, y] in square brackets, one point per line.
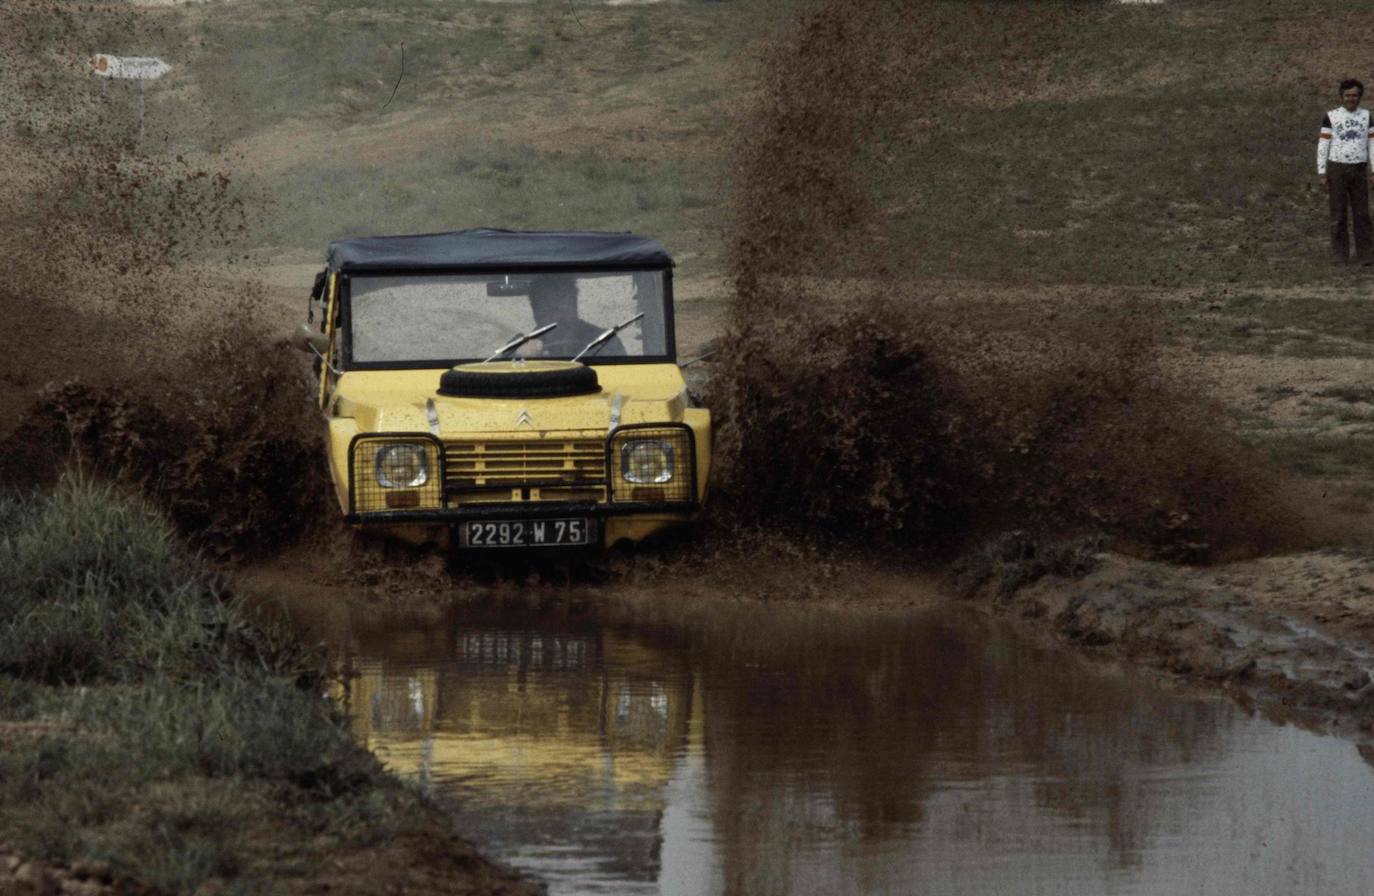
[857, 401]
[138, 349]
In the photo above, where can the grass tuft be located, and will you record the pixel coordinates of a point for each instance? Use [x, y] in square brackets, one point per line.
[148, 719]
[95, 588]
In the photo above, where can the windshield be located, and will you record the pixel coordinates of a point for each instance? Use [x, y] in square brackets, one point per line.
[411, 319]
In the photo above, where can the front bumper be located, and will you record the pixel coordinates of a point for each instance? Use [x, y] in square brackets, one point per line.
[544, 510]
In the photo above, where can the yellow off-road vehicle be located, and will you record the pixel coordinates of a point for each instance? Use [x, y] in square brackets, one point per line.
[501, 389]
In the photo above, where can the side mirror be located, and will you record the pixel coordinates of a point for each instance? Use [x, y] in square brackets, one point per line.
[312, 340]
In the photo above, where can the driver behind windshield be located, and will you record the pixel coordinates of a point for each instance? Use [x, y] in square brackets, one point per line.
[554, 301]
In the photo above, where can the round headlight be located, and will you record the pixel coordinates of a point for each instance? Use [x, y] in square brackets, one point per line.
[402, 466]
[646, 460]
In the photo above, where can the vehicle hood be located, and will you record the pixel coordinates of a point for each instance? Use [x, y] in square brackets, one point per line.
[408, 401]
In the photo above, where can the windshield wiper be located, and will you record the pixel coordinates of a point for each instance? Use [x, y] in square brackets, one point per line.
[518, 340]
[606, 336]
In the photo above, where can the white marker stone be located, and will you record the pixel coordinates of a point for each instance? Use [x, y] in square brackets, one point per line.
[132, 68]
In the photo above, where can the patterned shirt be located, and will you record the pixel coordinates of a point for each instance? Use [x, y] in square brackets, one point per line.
[1346, 137]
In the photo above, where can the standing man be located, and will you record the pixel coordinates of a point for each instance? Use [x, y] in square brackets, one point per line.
[1343, 154]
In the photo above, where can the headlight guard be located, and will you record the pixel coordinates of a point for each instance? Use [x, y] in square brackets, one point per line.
[652, 463]
[395, 471]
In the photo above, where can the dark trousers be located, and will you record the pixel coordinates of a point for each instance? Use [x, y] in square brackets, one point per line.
[1350, 190]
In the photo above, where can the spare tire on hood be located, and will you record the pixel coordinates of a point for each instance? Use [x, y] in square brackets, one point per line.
[519, 379]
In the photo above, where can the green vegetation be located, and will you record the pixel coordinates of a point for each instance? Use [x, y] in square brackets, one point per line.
[1283, 325]
[148, 719]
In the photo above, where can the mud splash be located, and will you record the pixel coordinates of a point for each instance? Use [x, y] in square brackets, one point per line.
[236, 469]
[143, 354]
[854, 399]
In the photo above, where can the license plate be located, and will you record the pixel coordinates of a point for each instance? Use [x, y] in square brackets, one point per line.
[526, 533]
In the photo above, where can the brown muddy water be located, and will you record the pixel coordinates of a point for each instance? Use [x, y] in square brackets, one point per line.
[785, 750]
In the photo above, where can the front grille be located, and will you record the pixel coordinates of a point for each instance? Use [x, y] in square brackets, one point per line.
[555, 469]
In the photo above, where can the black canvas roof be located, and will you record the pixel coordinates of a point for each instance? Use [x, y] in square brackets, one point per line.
[496, 248]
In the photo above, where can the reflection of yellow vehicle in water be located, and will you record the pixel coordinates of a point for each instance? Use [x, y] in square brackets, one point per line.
[574, 718]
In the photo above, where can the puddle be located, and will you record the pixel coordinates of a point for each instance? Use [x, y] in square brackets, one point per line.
[767, 750]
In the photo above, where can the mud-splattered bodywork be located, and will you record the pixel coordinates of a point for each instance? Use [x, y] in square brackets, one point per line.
[560, 451]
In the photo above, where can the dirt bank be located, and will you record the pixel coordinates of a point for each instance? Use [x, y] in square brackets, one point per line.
[422, 862]
[1292, 635]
